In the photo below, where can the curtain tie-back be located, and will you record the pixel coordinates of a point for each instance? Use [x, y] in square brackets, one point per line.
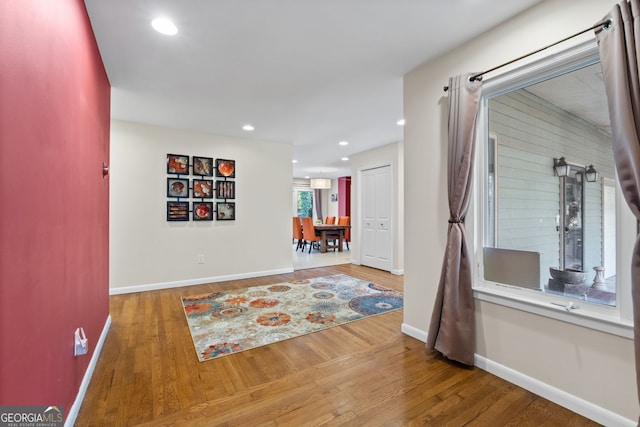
[456, 221]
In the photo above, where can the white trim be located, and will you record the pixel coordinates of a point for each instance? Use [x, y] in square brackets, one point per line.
[566, 400]
[570, 56]
[84, 385]
[553, 394]
[413, 332]
[397, 272]
[544, 305]
[191, 282]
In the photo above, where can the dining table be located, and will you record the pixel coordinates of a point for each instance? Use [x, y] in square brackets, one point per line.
[325, 229]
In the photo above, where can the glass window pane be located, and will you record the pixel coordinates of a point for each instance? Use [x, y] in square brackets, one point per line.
[305, 203]
[564, 221]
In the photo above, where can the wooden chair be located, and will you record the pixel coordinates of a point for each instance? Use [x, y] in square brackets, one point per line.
[330, 220]
[309, 232]
[297, 233]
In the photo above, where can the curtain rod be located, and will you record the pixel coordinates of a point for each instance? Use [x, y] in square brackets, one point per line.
[605, 24]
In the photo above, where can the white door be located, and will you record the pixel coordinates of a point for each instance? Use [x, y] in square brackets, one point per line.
[377, 231]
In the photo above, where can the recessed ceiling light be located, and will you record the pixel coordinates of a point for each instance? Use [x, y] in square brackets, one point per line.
[164, 26]
[307, 177]
[344, 159]
[248, 127]
[400, 122]
[343, 143]
[294, 161]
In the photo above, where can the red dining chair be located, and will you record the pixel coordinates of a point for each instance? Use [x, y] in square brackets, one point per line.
[297, 233]
[309, 232]
[330, 220]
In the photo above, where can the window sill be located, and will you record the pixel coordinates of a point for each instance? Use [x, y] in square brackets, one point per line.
[581, 315]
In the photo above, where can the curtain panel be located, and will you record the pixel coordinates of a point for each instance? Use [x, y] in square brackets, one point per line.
[317, 197]
[618, 45]
[452, 327]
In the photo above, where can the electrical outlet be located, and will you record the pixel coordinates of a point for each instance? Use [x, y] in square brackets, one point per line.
[200, 258]
[80, 342]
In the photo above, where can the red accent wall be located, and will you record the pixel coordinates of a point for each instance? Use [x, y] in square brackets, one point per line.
[54, 202]
[344, 196]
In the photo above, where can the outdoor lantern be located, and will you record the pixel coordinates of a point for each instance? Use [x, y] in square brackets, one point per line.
[561, 167]
[591, 174]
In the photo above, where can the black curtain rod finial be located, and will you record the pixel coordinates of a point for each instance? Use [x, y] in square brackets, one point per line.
[471, 79]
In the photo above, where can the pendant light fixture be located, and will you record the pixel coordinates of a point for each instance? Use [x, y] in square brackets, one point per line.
[320, 183]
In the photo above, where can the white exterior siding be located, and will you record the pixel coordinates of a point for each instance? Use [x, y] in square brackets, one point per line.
[530, 133]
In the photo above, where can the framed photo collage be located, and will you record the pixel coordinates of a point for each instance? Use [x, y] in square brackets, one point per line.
[198, 196]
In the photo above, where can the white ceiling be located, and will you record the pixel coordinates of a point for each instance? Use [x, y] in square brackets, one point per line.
[580, 92]
[309, 73]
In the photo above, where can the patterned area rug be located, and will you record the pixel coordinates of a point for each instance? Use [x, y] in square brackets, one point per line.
[228, 322]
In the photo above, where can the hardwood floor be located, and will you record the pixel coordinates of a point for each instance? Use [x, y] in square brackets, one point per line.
[365, 373]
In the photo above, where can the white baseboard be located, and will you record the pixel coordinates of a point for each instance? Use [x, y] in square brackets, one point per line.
[392, 271]
[191, 282]
[566, 400]
[413, 332]
[75, 408]
[573, 403]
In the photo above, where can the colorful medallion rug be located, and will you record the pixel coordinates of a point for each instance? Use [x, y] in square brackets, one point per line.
[228, 322]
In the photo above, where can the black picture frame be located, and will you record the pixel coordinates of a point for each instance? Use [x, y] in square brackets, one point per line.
[225, 211]
[177, 211]
[177, 164]
[178, 187]
[225, 168]
[225, 190]
[202, 166]
[202, 211]
[203, 189]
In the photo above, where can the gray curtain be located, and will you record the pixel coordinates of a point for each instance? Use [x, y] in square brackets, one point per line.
[317, 197]
[452, 327]
[619, 55]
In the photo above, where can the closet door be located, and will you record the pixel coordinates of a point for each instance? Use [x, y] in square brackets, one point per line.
[377, 228]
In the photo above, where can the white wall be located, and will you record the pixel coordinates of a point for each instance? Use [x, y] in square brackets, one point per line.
[148, 252]
[390, 154]
[588, 364]
[332, 207]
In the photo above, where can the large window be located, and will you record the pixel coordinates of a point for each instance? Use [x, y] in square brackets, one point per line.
[546, 234]
[304, 203]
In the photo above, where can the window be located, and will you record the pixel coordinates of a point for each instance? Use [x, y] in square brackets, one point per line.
[304, 203]
[548, 238]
